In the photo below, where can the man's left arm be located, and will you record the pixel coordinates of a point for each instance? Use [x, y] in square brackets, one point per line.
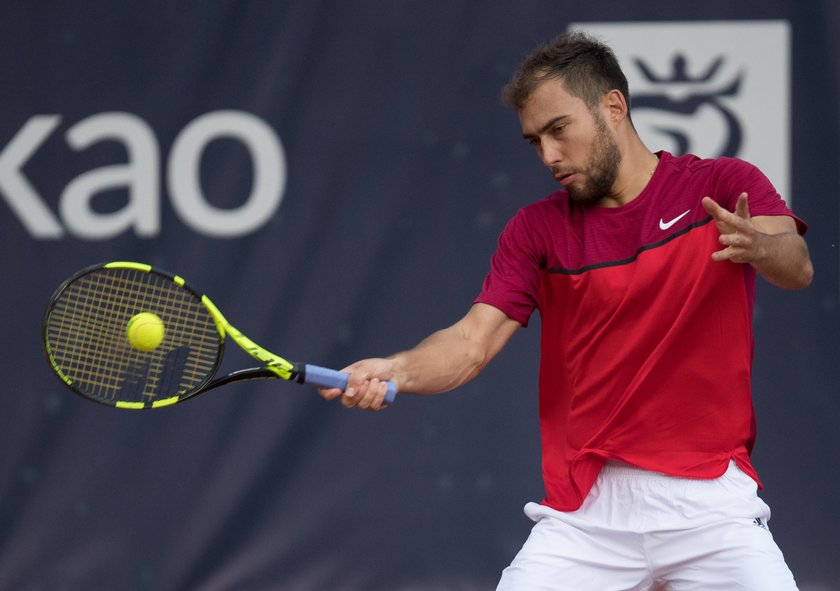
[771, 244]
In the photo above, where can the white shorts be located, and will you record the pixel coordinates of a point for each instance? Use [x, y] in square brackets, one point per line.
[639, 530]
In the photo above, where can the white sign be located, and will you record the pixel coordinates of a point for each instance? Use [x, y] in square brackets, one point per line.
[709, 88]
[140, 176]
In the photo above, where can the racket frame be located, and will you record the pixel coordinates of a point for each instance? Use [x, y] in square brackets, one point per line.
[273, 365]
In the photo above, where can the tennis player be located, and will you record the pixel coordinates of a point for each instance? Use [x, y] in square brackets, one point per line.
[643, 269]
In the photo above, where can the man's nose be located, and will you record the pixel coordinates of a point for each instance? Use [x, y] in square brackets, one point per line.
[550, 153]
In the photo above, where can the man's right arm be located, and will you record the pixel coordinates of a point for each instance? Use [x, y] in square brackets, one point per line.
[444, 361]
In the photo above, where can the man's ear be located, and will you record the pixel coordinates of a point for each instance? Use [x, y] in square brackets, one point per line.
[615, 107]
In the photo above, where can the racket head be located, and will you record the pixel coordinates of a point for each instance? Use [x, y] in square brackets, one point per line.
[86, 342]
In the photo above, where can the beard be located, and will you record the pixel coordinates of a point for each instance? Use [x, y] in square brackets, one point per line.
[601, 169]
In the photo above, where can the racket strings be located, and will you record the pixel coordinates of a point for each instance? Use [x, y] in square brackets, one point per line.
[88, 345]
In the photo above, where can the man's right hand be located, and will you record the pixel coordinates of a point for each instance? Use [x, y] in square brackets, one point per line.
[366, 387]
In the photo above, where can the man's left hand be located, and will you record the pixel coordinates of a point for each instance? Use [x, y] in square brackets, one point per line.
[738, 234]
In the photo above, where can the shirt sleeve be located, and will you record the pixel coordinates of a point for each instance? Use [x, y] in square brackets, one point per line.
[513, 283]
[736, 176]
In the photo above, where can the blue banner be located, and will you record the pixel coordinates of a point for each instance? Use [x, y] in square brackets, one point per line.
[335, 175]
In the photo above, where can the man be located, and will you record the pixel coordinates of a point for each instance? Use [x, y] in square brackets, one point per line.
[643, 270]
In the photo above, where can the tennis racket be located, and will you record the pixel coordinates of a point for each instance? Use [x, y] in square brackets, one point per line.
[93, 347]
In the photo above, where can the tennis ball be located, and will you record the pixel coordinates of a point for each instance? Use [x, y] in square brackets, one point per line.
[145, 331]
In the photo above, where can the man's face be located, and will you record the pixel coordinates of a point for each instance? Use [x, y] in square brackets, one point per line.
[572, 141]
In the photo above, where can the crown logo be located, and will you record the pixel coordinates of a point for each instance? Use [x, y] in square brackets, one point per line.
[684, 93]
[679, 69]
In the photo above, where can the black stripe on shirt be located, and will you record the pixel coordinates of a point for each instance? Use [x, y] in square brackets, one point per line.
[685, 230]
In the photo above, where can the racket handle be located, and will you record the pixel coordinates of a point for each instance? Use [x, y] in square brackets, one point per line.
[330, 378]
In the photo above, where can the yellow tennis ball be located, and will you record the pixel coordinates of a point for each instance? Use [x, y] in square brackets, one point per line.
[145, 331]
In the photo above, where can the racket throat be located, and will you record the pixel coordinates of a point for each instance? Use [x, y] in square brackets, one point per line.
[298, 373]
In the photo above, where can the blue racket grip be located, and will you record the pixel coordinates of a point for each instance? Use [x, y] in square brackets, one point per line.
[330, 378]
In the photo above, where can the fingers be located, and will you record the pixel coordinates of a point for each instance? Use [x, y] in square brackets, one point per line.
[724, 220]
[364, 389]
[733, 252]
[737, 233]
[329, 393]
[742, 209]
[711, 206]
[727, 221]
[370, 395]
[737, 246]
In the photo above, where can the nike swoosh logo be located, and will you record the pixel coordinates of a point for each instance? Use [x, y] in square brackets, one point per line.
[663, 225]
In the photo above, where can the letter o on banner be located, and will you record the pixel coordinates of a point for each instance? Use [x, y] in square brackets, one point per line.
[184, 174]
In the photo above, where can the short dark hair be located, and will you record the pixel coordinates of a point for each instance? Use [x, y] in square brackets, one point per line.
[587, 67]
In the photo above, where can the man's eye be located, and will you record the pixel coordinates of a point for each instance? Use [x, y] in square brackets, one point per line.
[558, 130]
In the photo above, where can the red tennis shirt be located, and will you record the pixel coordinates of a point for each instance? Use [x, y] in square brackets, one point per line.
[647, 344]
